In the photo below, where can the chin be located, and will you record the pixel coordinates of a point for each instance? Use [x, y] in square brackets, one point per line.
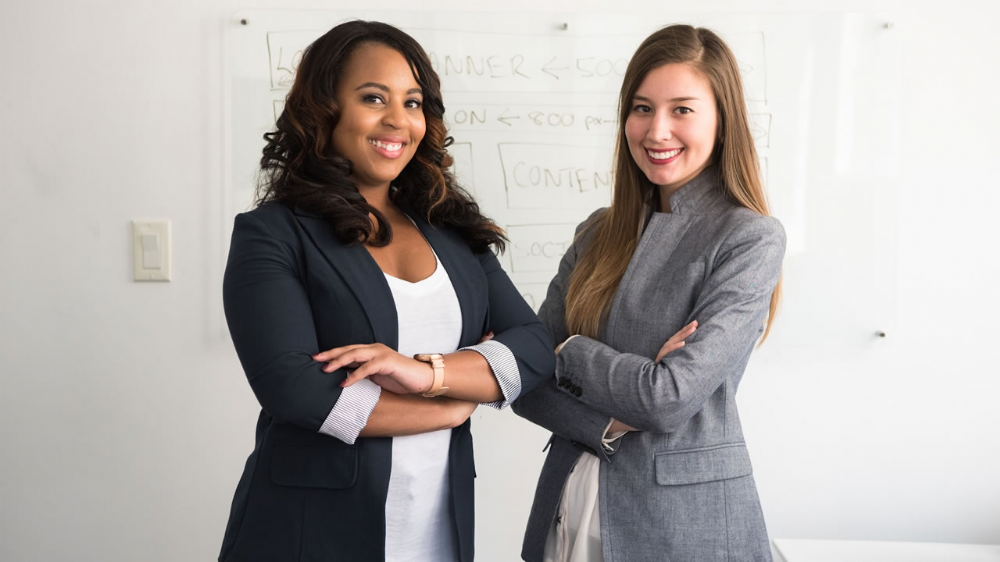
[663, 179]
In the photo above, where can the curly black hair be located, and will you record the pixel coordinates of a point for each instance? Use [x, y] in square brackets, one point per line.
[300, 168]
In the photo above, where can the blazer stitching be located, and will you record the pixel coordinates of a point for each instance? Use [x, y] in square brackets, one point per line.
[725, 503]
[302, 533]
[700, 449]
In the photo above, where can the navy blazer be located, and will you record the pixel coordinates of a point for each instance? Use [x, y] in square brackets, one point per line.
[292, 289]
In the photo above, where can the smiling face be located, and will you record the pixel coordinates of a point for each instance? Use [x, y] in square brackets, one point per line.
[671, 126]
[381, 115]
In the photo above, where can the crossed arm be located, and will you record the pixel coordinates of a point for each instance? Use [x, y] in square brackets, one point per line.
[270, 319]
[271, 323]
[660, 394]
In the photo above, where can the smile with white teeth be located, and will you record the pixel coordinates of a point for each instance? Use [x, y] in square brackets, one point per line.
[390, 146]
[663, 155]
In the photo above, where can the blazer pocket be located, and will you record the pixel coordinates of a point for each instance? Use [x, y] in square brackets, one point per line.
[313, 465]
[706, 464]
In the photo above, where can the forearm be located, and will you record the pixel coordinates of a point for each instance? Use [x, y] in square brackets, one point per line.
[396, 415]
[634, 390]
[469, 377]
[563, 415]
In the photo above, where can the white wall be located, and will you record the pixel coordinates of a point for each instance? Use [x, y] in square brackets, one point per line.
[124, 416]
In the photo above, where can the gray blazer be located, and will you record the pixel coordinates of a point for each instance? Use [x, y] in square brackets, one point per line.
[680, 489]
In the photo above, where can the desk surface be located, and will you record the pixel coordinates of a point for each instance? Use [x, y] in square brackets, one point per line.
[808, 550]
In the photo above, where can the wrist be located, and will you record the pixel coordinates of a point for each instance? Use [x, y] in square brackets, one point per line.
[424, 389]
[436, 362]
[563, 344]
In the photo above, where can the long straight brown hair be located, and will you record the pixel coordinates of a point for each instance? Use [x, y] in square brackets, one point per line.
[599, 271]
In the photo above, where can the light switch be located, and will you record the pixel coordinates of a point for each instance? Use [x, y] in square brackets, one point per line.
[151, 250]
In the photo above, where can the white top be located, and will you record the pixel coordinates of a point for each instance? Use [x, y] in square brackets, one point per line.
[575, 535]
[418, 525]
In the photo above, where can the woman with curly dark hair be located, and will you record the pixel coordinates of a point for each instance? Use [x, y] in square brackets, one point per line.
[370, 316]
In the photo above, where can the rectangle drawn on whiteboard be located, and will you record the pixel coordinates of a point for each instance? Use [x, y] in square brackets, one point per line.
[533, 293]
[760, 128]
[461, 168]
[493, 62]
[555, 176]
[539, 247]
[752, 60]
[284, 53]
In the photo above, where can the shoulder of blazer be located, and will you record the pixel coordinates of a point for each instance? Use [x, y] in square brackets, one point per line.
[585, 231]
[584, 227]
[281, 221]
[740, 222]
[275, 216]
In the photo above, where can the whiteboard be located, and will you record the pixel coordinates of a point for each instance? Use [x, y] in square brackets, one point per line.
[531, 103]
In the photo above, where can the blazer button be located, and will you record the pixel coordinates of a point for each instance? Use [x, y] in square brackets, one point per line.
[577, 391]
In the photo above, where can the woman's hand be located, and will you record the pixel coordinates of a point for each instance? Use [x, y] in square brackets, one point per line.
[560, 346]
[619, 427]
[386, 367]
[676, 341]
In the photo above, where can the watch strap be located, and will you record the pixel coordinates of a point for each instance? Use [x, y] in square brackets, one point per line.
[436, 361]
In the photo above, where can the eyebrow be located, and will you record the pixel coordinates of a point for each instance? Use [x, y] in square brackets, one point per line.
[385, 88]
[682, 98]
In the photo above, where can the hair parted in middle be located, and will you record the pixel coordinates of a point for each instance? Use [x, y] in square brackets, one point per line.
[616, 235]
[299, 167]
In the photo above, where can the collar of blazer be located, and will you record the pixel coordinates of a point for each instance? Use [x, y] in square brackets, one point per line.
[366, 280]
[698, 196]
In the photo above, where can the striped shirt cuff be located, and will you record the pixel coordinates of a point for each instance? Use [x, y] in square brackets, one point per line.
[350, 414]
[504, 366]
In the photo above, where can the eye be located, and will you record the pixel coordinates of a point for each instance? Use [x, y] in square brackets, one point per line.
[414, 104]
[372, 98]
[641, 108]
[683, 110]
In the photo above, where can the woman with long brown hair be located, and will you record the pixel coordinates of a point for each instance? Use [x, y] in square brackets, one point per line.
[647, 457]
[357, 294]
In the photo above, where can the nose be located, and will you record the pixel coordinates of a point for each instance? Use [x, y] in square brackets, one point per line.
[660, 127]
[394, 115]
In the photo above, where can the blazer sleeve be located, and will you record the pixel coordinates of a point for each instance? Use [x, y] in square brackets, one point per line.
[271, 324]
[516, 326]
[557, 411]
[662, 396]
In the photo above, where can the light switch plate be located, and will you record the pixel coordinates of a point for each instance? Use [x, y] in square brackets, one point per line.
[151, 250]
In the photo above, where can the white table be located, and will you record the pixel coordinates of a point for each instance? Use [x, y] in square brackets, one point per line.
[808, 550]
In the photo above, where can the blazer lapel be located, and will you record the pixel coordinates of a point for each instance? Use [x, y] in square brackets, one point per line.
[361, 274]
[457, 259]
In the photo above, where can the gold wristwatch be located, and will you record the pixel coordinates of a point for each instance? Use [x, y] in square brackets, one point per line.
[437, 363]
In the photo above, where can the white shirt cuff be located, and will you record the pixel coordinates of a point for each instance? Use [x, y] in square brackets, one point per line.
[610, 438]
[504, 366]
[350, 414]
